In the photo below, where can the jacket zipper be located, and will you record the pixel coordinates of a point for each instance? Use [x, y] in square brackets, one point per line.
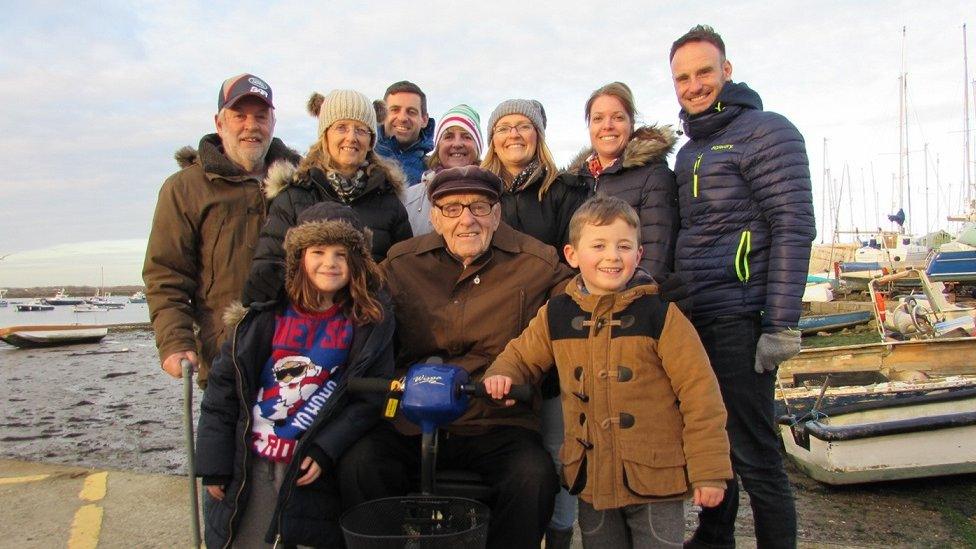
[694, 175]
[742, 256]
[247, 430]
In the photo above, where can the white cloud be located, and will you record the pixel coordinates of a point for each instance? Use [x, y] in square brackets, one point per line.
[78, 263]
[95, 109]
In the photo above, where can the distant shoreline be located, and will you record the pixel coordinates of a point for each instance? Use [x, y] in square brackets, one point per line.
[73, 291]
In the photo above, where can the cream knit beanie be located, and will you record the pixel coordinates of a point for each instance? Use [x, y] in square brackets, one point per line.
[342, 105]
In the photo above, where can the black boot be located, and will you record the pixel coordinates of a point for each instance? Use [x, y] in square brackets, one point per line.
[559, 539]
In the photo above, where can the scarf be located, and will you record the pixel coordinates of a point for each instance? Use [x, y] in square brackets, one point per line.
[524, 177]
[347, 189]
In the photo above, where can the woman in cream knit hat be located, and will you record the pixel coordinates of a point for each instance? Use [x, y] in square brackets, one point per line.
[340, 167]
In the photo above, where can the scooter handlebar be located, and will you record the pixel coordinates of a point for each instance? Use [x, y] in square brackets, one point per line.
[521, 393]
[369, 385]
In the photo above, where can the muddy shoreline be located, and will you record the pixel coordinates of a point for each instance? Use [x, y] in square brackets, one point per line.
[109, 405]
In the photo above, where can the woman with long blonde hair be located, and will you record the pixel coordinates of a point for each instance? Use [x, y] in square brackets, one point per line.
[535, 201]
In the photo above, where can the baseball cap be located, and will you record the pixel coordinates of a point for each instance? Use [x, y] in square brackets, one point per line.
[242, 85]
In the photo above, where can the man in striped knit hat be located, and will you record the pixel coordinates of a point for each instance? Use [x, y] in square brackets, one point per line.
[457, 142]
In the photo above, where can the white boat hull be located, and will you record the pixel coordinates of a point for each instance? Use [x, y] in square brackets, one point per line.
[887, 442]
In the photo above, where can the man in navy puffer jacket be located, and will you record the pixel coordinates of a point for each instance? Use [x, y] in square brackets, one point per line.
[747, 224]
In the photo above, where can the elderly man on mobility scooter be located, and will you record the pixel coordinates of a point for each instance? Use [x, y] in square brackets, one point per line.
[460, 294]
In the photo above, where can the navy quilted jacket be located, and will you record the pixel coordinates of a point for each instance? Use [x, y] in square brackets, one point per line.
[746, 210]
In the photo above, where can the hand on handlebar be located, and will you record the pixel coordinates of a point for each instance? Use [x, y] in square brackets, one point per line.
[171, 364]
[498, 387]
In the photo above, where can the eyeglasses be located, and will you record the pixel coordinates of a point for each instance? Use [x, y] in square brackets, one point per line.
[521, 129]
[454, 209]
[343, 129]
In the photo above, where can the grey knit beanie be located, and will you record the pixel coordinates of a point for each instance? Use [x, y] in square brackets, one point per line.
[342, 105]
[529, 108]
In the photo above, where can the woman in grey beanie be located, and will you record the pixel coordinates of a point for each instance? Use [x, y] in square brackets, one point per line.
[540, 205]
[340, 167]
[534, 201]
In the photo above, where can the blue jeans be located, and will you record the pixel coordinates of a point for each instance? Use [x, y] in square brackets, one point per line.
[564, 513]
[730, 342]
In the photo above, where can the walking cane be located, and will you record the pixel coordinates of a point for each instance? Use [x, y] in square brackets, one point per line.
[191, 470]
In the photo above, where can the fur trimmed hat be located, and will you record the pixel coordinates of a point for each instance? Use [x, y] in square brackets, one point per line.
[529, 108]
[322, 224]
[342, 105]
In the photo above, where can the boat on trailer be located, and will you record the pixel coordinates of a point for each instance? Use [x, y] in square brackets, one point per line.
[28, 337]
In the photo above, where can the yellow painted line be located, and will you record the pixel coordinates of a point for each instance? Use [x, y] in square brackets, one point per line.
[19, 480]
[94, 488]
[86, 527]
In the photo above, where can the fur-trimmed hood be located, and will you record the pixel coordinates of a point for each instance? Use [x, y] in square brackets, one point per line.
[382, 172]
[648, 144]
[234, 313]
[209, 154]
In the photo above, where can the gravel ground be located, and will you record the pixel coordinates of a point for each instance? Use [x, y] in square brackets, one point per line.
[109, 405]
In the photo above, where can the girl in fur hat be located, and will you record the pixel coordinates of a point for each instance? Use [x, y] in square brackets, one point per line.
[276, 416]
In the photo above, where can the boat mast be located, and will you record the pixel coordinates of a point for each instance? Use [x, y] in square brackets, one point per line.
[967, 179]
[928, 227]
[903, 133]
[827, 196]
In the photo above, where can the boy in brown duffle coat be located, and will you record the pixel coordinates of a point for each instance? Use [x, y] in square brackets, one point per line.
[644, 419]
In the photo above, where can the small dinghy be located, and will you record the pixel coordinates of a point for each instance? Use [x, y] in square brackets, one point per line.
[27, 337]
[933, 434]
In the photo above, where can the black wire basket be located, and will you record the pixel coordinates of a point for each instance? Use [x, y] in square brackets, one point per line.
[416, 522]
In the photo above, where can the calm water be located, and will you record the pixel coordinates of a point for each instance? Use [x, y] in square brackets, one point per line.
[63, 314]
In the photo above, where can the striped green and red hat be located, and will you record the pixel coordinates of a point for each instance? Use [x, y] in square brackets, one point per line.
[464, 117]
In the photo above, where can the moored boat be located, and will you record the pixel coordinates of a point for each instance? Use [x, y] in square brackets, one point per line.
[51, 336]
[61, 298]
[138, 297]
[34, 306]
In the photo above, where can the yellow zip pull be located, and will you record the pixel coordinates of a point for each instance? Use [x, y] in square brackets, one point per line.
[694, 171]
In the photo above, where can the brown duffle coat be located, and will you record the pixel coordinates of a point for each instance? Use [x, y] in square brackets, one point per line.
[466, 316]
[644, 418]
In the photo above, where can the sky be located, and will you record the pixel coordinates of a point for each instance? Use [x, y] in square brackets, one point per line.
[99, 95]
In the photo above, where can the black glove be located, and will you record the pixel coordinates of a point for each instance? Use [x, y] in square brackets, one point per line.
[672, 287]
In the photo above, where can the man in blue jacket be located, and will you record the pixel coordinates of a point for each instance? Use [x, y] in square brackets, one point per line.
[747, 225]
[407, 133]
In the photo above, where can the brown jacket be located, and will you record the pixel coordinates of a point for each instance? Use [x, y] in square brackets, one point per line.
[206, 224]
[465, 316]
[644, 418]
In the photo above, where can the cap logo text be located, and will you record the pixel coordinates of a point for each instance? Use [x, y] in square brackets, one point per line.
[257, 82]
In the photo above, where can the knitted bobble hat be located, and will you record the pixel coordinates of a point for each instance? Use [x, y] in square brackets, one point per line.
[529, 108]
[342, 105]
[464, 117]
